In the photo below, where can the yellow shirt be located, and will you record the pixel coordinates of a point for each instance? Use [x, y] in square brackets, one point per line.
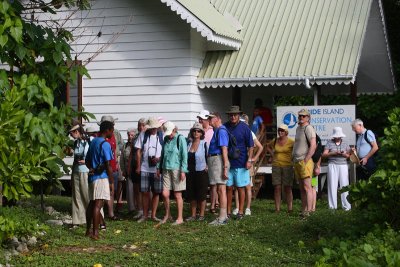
[282, 154]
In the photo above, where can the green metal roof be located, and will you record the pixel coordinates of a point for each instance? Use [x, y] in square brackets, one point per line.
[288, 41]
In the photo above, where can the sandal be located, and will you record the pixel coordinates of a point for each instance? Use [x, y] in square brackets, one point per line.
[217, 206]
[103, 227]
[213, 211]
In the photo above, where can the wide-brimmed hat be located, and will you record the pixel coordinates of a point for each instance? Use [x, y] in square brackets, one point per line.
[283, 127]
[203, 114]
[304, 112]
[197, 126]
[161, 120]
[92, 129]
[168, 127]
[107, 118]
[234, 110]
[75, 127]
[153, 123]
[337, 133]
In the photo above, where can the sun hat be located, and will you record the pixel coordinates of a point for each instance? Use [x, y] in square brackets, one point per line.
[92, 129]
[203, 114]
[153, 123]
[168, 127]
[131, 129]
[73, 128]
[283, 127]
[304, 112]
[107, 118]
[161, 120]
[234, 110]
[197, 126]
[337, 133]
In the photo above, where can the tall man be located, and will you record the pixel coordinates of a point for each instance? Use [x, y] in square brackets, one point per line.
[218, 164]
[303, 164]
[148, 154]
[239, 174]
[101, 180]
[366, 148]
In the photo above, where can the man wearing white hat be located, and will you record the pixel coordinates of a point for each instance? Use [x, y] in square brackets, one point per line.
[148, 154]
[337, 152]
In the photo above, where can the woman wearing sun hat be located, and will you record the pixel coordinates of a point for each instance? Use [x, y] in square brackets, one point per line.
[280, 149]
[197, 178]
[337, 152]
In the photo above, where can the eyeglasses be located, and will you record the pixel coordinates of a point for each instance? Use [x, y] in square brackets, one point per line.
[303, 116]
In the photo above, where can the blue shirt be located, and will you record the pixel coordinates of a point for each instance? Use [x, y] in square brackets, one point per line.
[258, 121]
[244, 140]
[81, 148]
[96, 156]
[363, 148]
[223, 140]
[200, 155]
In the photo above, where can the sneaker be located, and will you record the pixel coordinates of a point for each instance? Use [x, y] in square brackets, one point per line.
[201, 218]
[218, 222]
[138, 216]
[142, 219]
[235, 211]
[247, 212]
[190, 219]
[176, 223]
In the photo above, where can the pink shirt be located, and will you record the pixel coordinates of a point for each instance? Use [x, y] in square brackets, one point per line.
[208, 135]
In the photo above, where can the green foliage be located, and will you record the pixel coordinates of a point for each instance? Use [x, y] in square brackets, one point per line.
[32, 130]
[379, 196]
[17, 221]
[377, 248]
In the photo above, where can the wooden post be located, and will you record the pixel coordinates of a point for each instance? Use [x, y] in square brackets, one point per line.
[353, 93]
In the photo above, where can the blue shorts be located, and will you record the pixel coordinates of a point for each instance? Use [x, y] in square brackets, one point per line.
[239, 177]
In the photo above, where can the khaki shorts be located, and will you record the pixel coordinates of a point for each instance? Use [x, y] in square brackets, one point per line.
[302, 170]
[216, 170]
[172, 181]
[282, 175]
[99, 189]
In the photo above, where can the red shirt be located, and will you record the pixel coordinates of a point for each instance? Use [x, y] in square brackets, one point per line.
[265, 114]
[113, 144]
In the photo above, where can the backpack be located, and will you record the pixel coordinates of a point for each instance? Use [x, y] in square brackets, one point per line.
[233, 151]
[370, 143]
[318, 150]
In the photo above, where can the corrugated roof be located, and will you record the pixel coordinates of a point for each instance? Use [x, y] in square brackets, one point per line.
[206, 19]
[288, 41]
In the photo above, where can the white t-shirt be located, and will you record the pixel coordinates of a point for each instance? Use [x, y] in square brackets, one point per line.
[152, 147]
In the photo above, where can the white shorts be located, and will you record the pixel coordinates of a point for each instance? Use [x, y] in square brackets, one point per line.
[99, 189]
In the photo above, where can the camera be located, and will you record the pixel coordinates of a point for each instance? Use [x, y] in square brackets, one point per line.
[152, 161]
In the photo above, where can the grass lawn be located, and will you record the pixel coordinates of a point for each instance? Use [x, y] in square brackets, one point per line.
[263, 239]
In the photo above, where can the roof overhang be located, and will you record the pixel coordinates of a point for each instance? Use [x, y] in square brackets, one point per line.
[200, 26]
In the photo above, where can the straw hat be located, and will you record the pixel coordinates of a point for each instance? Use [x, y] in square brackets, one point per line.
[337, 133]
[197, 126]
[92, 129]
[153, 123]
[75, 127]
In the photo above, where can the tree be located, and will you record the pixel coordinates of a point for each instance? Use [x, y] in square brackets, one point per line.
[32, 129]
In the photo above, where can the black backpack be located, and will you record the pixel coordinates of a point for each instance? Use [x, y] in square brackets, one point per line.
[233, 151]
[370, 143]
[318, 150]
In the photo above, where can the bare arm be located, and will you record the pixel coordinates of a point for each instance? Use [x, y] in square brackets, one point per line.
[259, 150]
[226, 162]
[138, 160]
[311, 150]
[249, 155]
[371, 153]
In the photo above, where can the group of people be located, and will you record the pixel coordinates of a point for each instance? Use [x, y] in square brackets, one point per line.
[157, 159]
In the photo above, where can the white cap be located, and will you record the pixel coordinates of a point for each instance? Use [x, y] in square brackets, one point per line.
[203, 114]
[168, 128]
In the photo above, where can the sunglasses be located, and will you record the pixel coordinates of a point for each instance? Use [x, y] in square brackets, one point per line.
[281, 130]
[197, 131]
[303, 116]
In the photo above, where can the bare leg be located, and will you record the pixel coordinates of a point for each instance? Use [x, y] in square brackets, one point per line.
[179, 204]
[119, 197]
[222, 201]
[236, 198]
[89, 217]
[145, 197]
[213, 196]
[154, 201]
[98, 204]
[110, 204]
[229, 191]
[138, 196]
[289, 197]
[202, 205]
[277, 197]
[165, 195]
[242, 195]
[193, 208]
[249, 196]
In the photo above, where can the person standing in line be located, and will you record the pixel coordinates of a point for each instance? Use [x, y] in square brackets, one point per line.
[126, 165]
[366, 147]
[218, 164]
[79, 178]
[337, 152]
[98, 161]
[197, 178]
[173, 167]
[281, 149]
[303, 163]
[208, 134]
[148, 153]
[239, 174]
